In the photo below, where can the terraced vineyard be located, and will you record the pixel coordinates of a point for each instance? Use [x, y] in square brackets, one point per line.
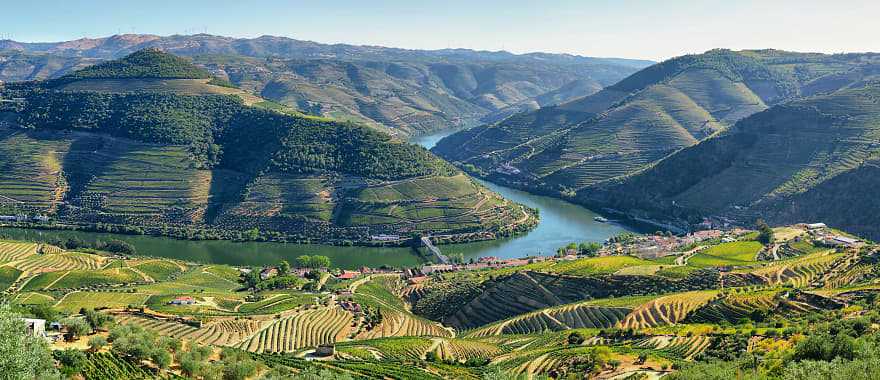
[385, 293]
[667, 310]
[396, 323]
[107, 366]
[799, 272]
[15, 251]
[75, 301]
[61, 262]
[395, 348]
[576, 316]
[733, 307]
[678, 346]
[303, 329]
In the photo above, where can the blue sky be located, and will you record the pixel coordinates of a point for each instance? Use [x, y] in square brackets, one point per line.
[624, 28]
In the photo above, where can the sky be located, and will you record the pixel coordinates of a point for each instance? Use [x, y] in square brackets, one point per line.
[655, 30]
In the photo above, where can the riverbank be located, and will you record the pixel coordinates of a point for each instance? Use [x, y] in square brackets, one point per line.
[230, 252]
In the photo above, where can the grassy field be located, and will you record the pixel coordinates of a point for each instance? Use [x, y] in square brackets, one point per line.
[8, 276]
[73, 302]
[733, 253]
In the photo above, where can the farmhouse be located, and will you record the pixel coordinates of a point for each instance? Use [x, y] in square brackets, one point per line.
[841, 241]
[184, 300]
[347, 275]
[268, 273]
[815, 226]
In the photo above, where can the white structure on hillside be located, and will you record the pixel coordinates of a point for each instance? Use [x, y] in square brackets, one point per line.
[36, 327]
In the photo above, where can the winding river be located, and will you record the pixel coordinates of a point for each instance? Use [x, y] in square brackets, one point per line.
[561, 223]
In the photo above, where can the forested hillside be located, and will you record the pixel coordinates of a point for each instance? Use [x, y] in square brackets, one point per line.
[810, 159]
[645, 117]
[149, 152]
[397, 90]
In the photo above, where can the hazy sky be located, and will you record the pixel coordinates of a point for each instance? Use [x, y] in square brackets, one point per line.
[655, 30]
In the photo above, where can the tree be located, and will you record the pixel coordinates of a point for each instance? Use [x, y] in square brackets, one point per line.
[95, 319]
[576, 338]
[22, 355]
[97, 342]
[77, 327]
[119, 246]
[765, 233]
[71, 360]
[283, 267]
[44, 311]
[589, 249]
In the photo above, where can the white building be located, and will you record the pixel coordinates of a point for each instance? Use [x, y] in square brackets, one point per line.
[36, 327]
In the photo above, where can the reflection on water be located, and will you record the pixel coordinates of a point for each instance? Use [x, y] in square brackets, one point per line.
[229, 252]
[561, 223]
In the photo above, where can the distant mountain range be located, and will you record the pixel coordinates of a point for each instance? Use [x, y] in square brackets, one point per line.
[398, 90]
[777, 164]
[152, 141]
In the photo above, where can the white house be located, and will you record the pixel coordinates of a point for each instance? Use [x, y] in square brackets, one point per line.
[36, 327]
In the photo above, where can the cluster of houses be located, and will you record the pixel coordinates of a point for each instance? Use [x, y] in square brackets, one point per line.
[24, 218]
[507, 169]
[653, 246]
[416, 275]
[827, 237]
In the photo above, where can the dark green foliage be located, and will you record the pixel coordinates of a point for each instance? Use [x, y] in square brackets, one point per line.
[119, 246]
[765, 233]
[147, 63]
[825, 347]
[575, 339]
[443, 299]
[221, 131]
[71, 360]
[316, 261]
[95, 319]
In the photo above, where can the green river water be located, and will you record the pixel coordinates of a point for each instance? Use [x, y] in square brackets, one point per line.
[561, 223]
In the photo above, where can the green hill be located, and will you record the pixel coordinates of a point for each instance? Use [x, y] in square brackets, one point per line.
[142, 153]
[645, 117]
[146, 63]
[404, 92]
[810, 159]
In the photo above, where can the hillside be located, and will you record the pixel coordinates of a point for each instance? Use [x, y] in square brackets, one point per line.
[397, 90]
[810, 159]
[606, 316]
[120, 143]
[645, 117]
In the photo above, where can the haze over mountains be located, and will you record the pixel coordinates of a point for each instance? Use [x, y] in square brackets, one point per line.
[153, 141]
[586, 148]
[400, 91]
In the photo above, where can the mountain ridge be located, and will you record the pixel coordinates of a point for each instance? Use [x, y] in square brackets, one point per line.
[399, 91]
[130, 143]
[641, 119]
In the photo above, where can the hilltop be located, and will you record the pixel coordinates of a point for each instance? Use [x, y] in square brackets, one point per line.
[400, 91]
[809, 159]
[632, 124]
[151, 142]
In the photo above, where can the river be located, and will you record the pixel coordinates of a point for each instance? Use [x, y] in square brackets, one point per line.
[561, 223]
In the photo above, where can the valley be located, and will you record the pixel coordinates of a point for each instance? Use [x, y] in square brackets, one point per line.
[620, 312]
[262, 207]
